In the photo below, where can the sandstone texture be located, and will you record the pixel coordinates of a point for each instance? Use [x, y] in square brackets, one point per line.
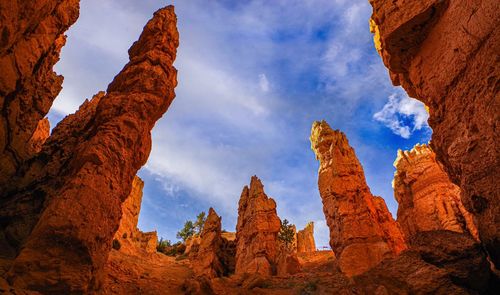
[206, 261]
[427, 199]
[445, 54]
[305, 239]
[256, 231]
[32, 35]
[61, 209]
[362, 230]
[439, 262]
[130, 238]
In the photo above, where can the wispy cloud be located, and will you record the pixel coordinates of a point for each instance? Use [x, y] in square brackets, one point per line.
[403, 115]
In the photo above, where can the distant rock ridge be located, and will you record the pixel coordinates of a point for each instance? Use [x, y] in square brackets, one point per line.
[305, 239]
[445, 54]
[362, 231]
[61, 207]
[129, 237]
[427, 199]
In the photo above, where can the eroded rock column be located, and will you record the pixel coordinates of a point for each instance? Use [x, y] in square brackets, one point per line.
[427, 199]
[362, 231]
[130, 238]
[85, 169]
[256, 231]
[305, 239]
[445, 54]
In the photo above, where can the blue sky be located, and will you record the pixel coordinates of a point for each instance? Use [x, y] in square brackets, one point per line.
[253, 76]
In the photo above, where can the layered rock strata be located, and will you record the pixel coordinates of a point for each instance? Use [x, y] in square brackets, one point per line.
[256, 231]
[62, 208]
[305, 239]
[362, 231]
[445, 54]
[427, 199]
[129, 237]
[32, 35]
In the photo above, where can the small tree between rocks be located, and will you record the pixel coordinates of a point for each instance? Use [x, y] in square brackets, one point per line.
[200, 222]
[187, 231]
[286, 234]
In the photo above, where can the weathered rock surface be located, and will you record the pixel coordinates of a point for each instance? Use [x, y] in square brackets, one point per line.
[206, 261]
[32, 35]
[362, 231]
[439, 262]
[287, 262]
[63, 207]
[427, 199]
[305, 239]
[256, 231]
[192, 242]
[130, 238]
[445, 54]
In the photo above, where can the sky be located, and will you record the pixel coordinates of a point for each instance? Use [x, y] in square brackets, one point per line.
[253, 76]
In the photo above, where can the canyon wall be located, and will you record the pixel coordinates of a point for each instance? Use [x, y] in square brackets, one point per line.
[362, 231]
[129, 237]
[305, 239]
[256, 231]
[427, 199]
[62, 207]
[445, 54]
[32, 35]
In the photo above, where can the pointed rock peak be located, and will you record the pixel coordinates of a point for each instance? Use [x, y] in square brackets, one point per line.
[256, 186]
[323, 137]
[418, 151]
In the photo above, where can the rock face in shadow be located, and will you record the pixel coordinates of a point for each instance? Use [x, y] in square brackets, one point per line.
[445, 54]
[205, 261]
[62, 208]
[362, 231]
[305, 239]
[427, 199]
[439, 262]
[32, 35]
[256, 231]
[129, 237]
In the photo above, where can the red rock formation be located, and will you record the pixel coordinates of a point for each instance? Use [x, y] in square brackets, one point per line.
[362, 231]
[427, 199]
[192, 242]
[287, 262]
[130, 238]
[305, 239]
[256, 231]
[445, 54]
[206, 261]
[32, 35]
[64, 205]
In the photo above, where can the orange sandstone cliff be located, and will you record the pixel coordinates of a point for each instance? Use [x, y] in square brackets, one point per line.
[130, 238]
[362, 231]
[427, 199]
[61, 209]
[256, 231]
[445, 54]
[305, 239]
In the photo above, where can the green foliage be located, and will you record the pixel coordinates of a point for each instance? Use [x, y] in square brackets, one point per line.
[163, 245]
[187, 231]
[200, 222]
[286, 233]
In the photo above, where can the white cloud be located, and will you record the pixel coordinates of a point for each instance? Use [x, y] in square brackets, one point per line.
[402, 114]
[263, 83]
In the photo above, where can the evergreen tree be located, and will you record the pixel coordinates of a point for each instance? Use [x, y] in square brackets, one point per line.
[286, 233]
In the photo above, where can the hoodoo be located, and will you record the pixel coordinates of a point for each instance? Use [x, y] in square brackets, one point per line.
[362, 231]
[305, 239]
[445, 54]
[129, 238]
[256, 231]
[427, 199]
[60, 210]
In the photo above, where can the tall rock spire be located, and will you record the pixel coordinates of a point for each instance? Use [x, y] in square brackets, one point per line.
[362, 231]
[256, 231]
[65, 203]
